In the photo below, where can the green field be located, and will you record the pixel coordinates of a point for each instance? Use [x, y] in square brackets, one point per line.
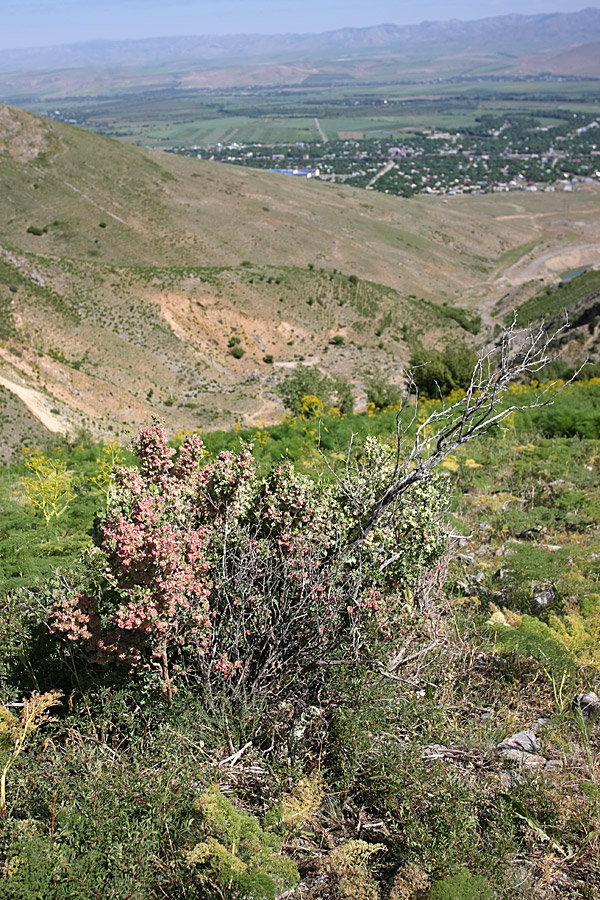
[268, 115]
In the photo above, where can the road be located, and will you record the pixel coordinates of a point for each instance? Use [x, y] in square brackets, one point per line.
[37, 404]
[389, 165]
[324, 137]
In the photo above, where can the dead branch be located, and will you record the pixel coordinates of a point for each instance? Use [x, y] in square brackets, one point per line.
[516, 353]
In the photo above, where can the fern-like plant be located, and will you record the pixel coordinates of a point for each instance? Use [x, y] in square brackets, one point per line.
[14, 731]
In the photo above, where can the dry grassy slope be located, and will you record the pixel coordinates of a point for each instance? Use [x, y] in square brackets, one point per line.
[117, 319]
[164, 210]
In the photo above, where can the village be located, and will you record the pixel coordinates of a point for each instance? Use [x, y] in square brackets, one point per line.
[497, 154]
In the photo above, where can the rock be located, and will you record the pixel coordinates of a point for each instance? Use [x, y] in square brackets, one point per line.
[526, 760]
[589, 706]
[543, 597]
[523, 742]
[530, 534]
[539, 724]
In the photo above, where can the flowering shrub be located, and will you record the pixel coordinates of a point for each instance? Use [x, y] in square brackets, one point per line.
[203, 570]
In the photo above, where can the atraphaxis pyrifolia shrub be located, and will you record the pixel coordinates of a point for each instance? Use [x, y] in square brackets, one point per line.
[203, 571]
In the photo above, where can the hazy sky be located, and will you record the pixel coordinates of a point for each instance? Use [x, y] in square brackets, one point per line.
[38, 23]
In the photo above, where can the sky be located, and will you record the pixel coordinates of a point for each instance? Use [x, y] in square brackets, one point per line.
[42, 23]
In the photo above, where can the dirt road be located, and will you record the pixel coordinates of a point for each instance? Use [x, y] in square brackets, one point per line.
[38, 405]
[554, 262]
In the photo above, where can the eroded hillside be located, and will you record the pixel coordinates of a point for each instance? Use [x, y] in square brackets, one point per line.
[125, 274]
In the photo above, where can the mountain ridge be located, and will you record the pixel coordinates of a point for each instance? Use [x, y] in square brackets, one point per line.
[534, 32]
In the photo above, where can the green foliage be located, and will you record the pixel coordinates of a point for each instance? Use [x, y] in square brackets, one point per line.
[15, 731]
[468, 320]
[35, 229]
[237, 854]
[462, 886]
[308, 381]
[552, 301]
[380, 392]
[119, 809]
[533, 638]
[237, 352]
[438, 372]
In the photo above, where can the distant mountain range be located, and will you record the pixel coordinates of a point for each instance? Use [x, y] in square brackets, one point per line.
[511, 34]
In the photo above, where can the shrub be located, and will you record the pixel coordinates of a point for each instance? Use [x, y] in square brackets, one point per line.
[438, 372]
[268, 359]
[241, 584]
[380, 392]
[237, 352]
[307, 381]
[35, 229]
[47, 489]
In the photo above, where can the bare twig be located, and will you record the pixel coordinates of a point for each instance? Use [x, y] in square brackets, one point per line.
[516, 353]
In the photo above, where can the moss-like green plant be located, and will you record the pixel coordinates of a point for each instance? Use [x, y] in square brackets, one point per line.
[462, 886]
[237, 853]
[349, 864]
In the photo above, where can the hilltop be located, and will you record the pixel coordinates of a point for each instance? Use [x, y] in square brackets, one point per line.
[124, 274]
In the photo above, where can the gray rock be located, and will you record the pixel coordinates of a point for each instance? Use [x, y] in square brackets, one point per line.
[526, 760]
[523, 742]
[543, 597]
[589, 706]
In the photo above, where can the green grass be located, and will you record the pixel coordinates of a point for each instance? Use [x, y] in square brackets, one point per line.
[549, 303]
[188, 117]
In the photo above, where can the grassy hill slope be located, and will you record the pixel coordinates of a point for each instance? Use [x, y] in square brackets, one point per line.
[125, 273]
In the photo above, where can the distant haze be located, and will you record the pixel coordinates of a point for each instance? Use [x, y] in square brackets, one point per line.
[43, 23]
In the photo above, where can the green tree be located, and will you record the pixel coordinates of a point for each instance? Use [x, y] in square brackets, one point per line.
[438, 372]
[307, 381]
[380, 392]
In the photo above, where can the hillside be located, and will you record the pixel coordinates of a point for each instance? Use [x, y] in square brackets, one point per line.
[125, 273]
[582, 60]
[435, 738]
